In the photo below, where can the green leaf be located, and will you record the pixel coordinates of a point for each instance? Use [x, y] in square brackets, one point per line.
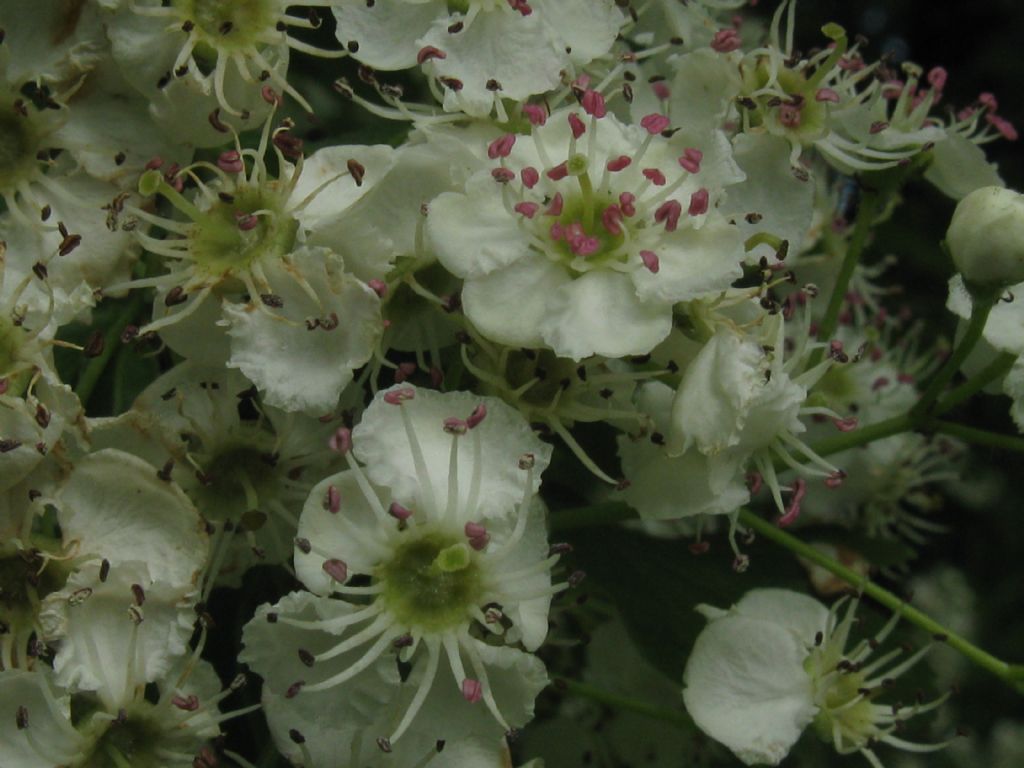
[657, 583]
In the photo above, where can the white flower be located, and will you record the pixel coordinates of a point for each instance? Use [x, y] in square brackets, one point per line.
[776, 662]
[480, 51]
[117, 524]
[587, 232]
[740, 403]
[240, 261]
[444, 522]
[247, 466]
[664, 487]
[192, 59]
[170, 724]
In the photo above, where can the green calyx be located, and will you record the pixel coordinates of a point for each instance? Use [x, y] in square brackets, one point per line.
[431, 582]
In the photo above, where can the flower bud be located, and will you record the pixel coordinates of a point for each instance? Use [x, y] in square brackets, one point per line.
[986, 237]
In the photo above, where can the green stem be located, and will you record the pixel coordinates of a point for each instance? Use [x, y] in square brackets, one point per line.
[977, 436]
[979, 316]
[93, 370]
[674, 716]
[1012, 674]
[863, 435]
[869, 205]
[991, 372]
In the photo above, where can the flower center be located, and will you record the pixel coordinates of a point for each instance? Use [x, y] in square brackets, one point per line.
[18, 147]
[228, 25]
[234, 480]
[133, 741]
[431, 582]
[24, 582]
[231, 236]
[246, 222]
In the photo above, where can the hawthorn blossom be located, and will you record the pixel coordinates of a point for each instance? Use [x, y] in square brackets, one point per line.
[586, 232]
[248, 467]
[240, 261]
[442, 518]
[777, 662]
[740, 404]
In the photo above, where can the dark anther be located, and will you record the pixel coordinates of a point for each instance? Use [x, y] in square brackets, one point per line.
[165, 471]
[217, 123]
[175, 296]
[357, 170]
[272, 300]
[94, 344]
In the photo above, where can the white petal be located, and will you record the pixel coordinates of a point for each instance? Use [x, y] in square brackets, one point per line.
[387, 31]
[49, 720]
[510, 305]
[472, 233]
[693, 262]
[295, 367]
[117, 509]
[746, 688]
[703, 90]
[798, 613]
[330, 720]
[381, 444]
[668, 488]
[587, 28]
[785, 203]
[959, 167]
[330, 533]
[1004, 328]
[100, 647]
[328, 185]
[506, 47]
[600, 313]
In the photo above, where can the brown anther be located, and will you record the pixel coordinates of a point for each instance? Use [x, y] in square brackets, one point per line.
[104, 570]
[138, 594]
[218, 124]
[175, 296]
[68, 244]
[94, 344]
[226, 27]
[42, 416]
[39, 270]
[8, 444]
[272, 300]
[357, 171]
[164, 473]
